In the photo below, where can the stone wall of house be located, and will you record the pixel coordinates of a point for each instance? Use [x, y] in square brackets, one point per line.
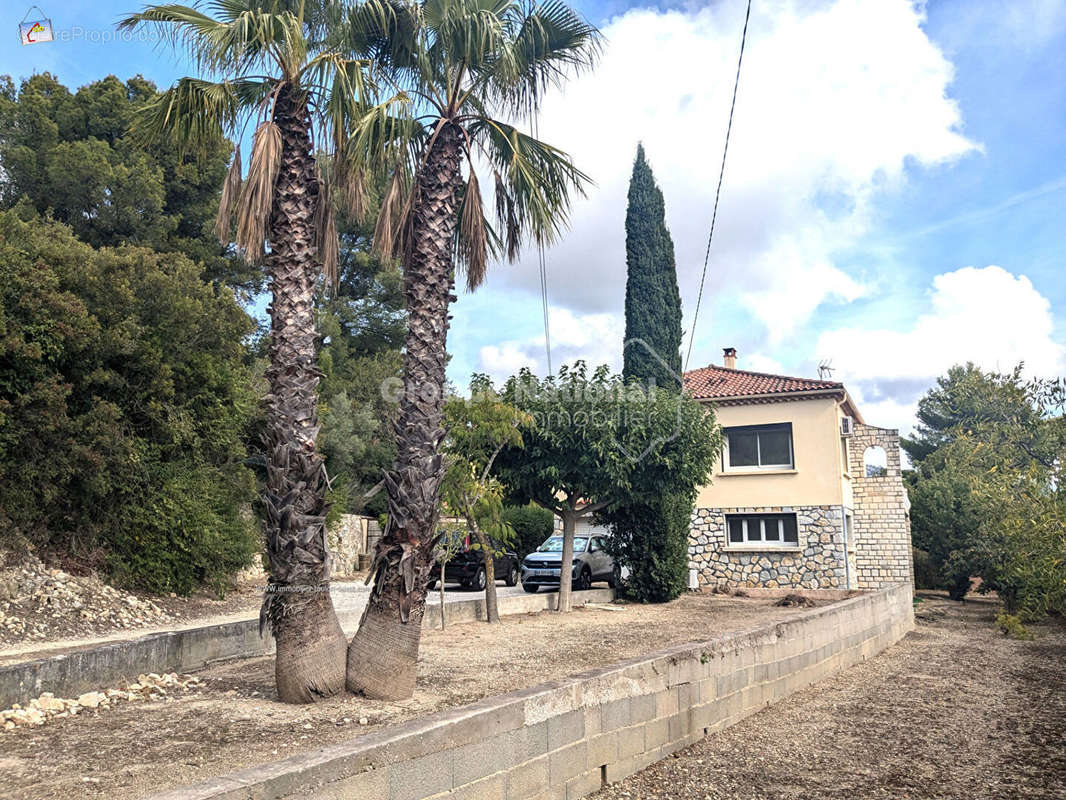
[347, 539]
[881, 520]
[817, 564]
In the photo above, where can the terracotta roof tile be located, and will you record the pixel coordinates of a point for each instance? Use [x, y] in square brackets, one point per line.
[719, 383]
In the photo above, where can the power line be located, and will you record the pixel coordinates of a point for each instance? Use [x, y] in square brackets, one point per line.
[718, 191]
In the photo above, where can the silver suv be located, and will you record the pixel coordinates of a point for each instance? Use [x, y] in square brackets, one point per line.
[591, 563]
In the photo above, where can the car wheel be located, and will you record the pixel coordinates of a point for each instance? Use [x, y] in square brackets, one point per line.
[584, 580]
[616, 577]
[479, 580]
[512, 576]
[430, 586]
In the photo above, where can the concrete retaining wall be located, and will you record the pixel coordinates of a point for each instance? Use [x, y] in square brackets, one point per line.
[563, 740]
[70, 674]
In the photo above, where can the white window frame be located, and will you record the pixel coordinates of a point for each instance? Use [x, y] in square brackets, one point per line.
[762, 543]
[760, 467]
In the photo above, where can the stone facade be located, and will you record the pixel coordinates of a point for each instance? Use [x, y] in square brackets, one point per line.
[347, 540]
[881, 527]
[818, 562]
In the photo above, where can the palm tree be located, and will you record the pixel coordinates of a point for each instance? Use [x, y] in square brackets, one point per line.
[282, 65]
[457, 71]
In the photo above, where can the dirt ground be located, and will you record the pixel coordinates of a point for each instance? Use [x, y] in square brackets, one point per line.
[954, 711]
[134, 749]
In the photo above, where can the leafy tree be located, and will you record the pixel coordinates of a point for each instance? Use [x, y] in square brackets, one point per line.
[478, 429]
[289, 67]
[651, 538]
[531, 523]
[72, 154]
[653, 303]
[123, 400]
[598, 442]
[462, 76]
[988, 500]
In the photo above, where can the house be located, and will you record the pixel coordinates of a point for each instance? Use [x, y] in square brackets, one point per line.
[805, 494]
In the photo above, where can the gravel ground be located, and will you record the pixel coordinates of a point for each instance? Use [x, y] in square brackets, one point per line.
[954, 711]
[233, 720]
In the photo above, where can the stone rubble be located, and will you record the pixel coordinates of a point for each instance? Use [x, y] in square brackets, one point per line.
[146, 688]
[36, 601]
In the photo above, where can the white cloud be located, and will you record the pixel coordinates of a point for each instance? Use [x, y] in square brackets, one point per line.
[988, 316]
[835, 98]
[596, 338]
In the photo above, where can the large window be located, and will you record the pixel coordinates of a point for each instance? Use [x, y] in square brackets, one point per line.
[759, 447]
[762, 530]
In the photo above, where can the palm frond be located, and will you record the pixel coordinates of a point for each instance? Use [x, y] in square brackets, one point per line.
[257, 196]
[193, 112]
[472, 243]
[538, 182]
[327, 241]
[387, 229]
[231, 190]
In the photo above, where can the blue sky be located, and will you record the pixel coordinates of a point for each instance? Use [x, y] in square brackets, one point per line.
[894, 201]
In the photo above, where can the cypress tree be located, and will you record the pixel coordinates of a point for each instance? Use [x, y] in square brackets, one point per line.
[653, 302]
[651, 539]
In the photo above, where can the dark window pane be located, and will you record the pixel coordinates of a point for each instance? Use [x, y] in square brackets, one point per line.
[773, 529]
[736, 530]
[742, 450]
[790, 530]
[774, 447]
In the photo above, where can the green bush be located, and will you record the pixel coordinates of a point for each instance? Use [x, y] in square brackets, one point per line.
[123, 401]
[1012, 626]
[532, 525]
[651, 541]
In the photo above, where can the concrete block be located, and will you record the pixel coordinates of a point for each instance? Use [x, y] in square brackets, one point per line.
[602, 749]
[566, 728]
[615, 715]
[642, 708]
[370, 785]
[419, 777]
[585, 783]
[630, 741]
[567, 762]
[528, 779]
[491, 788]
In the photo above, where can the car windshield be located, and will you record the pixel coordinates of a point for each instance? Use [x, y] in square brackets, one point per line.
[555, 545]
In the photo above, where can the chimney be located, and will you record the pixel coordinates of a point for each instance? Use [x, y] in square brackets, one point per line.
[730, 359]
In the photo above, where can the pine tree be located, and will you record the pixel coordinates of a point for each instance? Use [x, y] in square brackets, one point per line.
[653, 302]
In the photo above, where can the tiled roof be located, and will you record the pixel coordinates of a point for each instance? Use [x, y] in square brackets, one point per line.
[719, 383]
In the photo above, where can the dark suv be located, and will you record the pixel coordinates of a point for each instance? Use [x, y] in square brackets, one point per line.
[467, 567]
[591, 563]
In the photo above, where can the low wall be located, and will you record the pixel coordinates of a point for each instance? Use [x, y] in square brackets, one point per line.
[565, 739]
[69, 674]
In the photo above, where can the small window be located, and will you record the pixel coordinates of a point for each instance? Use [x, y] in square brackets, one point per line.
[762, 530]
[759, 447]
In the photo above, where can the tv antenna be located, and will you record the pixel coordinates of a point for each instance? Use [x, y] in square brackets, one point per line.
[825, 369]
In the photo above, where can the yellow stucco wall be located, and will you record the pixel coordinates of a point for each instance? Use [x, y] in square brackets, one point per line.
[818, 478]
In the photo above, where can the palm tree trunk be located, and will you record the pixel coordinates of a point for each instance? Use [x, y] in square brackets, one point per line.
[310, 644]
[383, 654]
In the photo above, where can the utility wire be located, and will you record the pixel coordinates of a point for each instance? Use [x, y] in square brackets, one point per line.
[718, 191]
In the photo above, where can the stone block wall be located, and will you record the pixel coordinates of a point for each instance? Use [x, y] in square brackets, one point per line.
[347, 539]
[568, 738]
[881, 527]
[818, 563]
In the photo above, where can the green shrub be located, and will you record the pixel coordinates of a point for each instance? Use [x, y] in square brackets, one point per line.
[123, 401]
[651, 541]
[1012, 626]
[532, 525]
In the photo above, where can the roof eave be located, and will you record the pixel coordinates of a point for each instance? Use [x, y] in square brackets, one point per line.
[804, 394]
